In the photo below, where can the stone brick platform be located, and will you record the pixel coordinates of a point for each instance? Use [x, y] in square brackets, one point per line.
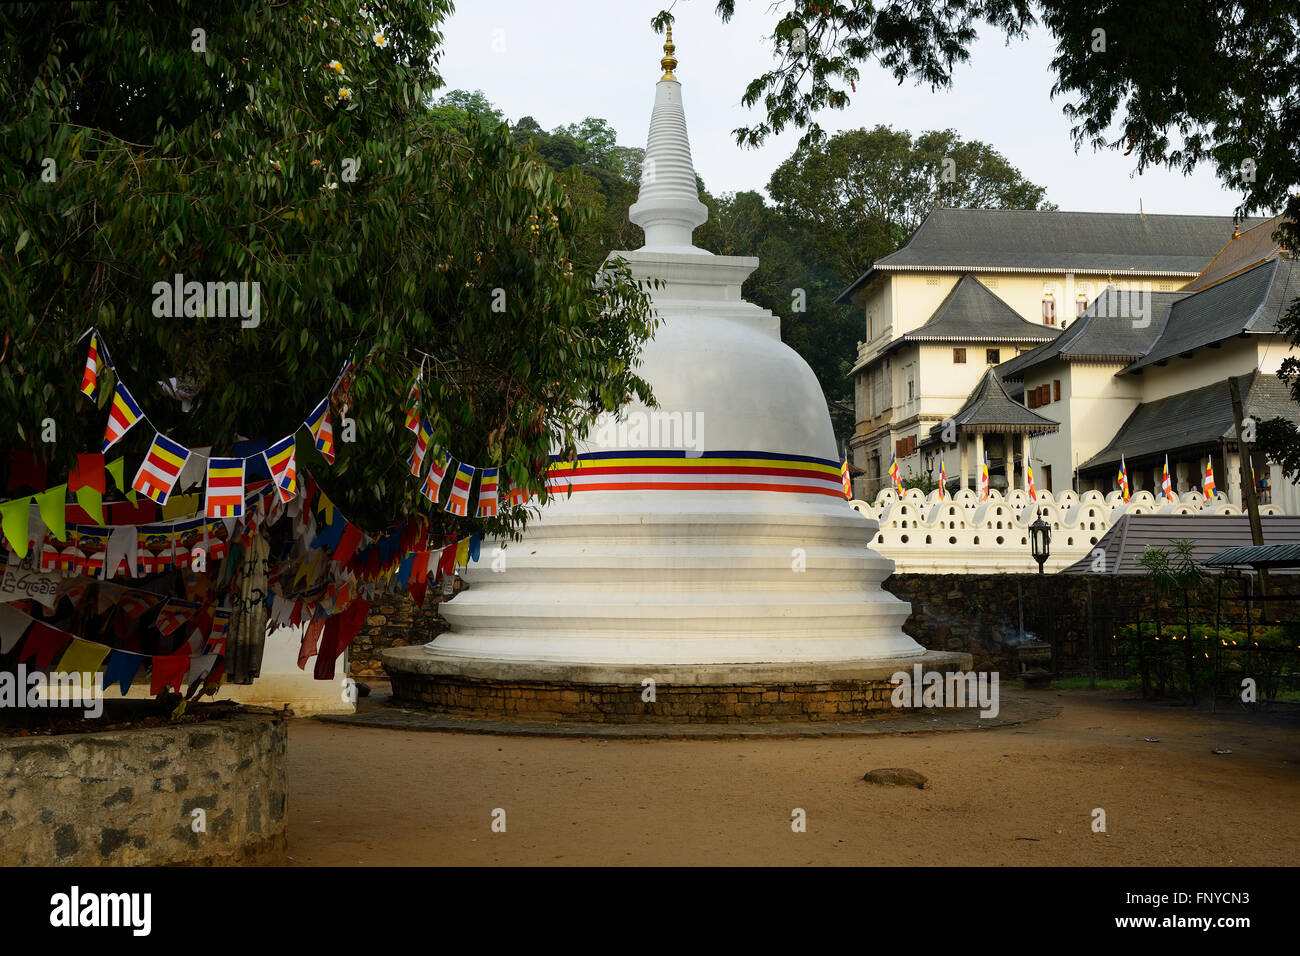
[712, 694]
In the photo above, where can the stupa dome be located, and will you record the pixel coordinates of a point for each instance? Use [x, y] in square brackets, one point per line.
[711, 529]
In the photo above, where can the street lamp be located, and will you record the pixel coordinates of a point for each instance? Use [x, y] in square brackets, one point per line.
[929, 466]
[1040, 541]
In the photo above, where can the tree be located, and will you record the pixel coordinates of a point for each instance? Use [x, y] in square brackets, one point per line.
[863, 192]
[458, 108]
[1176, 84]
[293, 150]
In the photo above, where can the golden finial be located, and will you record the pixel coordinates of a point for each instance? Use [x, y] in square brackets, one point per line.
[669, 61]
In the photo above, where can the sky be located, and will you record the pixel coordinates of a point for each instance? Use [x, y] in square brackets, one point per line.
[562, 60]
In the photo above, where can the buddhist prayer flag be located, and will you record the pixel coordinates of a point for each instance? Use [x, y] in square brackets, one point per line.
[943, 478]
[844, 478]
[90, 378]
[160, 468]
[1123, 477]
[225, 488]
[487, 493]
[1207, 486]
[437, 470]
[895, 474]
[1033, 492]
[422, 433]
[984, 478]
[318, 423]
[123, 416]
[518, 496]
[172, 615]
[413, 420]
[280, 461]
[458, 501]
[1165, 484]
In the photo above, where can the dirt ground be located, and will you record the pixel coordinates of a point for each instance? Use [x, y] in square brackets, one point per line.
[1011, 796]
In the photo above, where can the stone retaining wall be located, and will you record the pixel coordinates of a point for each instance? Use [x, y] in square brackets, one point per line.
[126, 797]
[622, 703]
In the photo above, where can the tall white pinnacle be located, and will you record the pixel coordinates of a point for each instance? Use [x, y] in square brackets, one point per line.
[668, 206]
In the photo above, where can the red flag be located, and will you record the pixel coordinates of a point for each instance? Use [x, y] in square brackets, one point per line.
[168, 671]
[43, 642]
[89, 473]
[348, 542]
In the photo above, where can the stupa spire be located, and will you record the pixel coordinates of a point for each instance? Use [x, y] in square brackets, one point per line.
[668, 206]
[669, 61]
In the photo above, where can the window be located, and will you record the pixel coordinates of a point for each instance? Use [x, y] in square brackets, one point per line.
[905, 446]
[911, 390]
[993, 356]
[1080, 305]
[1056, 390]
[958, 356]
[1049, 309]
[1047, 473]
[1031, 398]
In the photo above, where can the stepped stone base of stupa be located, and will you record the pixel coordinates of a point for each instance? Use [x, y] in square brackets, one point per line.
[618, 693]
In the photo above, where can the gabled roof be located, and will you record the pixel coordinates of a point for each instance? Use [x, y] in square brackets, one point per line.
[1210, 534]
[971, 313]
[1117, 327]
[1028, 240]
[1250, 302]
[1245, 249]
[1200, 418]
[990, 409]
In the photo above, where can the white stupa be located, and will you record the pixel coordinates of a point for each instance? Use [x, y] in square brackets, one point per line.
[734, 545]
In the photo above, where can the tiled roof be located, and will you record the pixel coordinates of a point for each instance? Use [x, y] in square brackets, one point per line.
[1248, 248]
[1026, 240]
[989, 408]
[1199, 418]
[970, 312]
[1210, 534]
[1250, 302]
[1116, 326]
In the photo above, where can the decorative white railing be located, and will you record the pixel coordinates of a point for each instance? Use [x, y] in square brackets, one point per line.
[961, 534]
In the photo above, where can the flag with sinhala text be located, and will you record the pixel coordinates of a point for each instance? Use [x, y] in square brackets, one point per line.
[487, 494]
[458, 500]
[225, 488]
[281, 462]
[123, 416]
[318, 423]
[161, 467]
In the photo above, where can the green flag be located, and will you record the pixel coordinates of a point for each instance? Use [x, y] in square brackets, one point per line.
[52, 512]
[13, 519]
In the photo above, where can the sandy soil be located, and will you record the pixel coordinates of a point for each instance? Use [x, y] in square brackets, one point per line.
[1018, 795]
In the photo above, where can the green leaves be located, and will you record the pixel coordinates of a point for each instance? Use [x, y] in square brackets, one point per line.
[229, 168]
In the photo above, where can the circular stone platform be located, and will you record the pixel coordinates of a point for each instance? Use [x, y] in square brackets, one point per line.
[610, 693]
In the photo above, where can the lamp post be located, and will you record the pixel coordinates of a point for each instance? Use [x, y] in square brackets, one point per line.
[1040, 541]
[929, 466]
[1036, 656]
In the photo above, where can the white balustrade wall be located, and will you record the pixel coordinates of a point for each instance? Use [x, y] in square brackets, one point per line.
[961, 534]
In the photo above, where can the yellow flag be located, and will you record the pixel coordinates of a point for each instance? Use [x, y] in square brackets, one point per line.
[82, 656]
[180, 506]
